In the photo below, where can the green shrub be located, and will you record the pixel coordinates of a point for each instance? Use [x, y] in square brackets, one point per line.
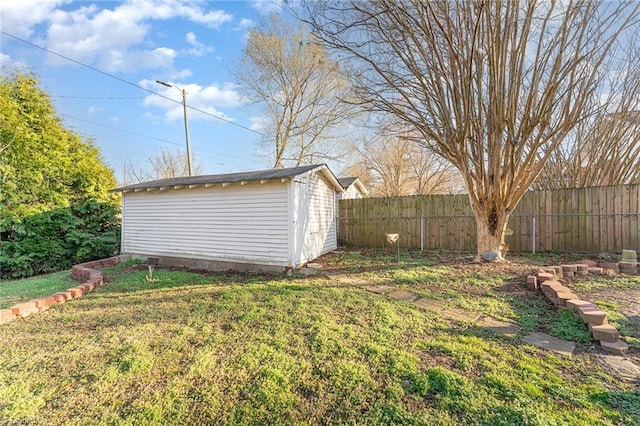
[57, 239]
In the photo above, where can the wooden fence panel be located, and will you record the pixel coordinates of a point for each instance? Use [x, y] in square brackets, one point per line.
[588, 219]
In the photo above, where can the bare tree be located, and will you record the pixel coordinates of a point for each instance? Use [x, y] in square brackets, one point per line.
[604, 149]
[292, 76]
[493, 87]
[359, 169]
[164, 164]
[398, 166]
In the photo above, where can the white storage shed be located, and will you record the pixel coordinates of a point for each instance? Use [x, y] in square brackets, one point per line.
[269, 219]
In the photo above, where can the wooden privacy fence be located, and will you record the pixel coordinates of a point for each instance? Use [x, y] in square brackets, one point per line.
[601, 219]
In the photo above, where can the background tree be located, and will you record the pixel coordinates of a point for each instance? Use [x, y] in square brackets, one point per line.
[43, 165]
[493, 87]
[300, 88]
[605, 148]
[398, 166]
[164, 164]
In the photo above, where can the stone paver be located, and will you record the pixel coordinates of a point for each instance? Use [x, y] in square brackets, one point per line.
[403, 295]
[380, 289]
[344, 279]
[360, 282]
[501, 327]
[544, 341]
[617, 348]
[431, 304]
[619, 366]
[459, 314]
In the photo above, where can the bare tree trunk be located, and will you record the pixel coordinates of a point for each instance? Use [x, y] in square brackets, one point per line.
[491, 221]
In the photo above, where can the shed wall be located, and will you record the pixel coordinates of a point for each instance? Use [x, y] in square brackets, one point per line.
[246, 224]
[321, 235]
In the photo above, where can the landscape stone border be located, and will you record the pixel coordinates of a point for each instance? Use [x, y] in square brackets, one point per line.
[85, 273]
[547, 281]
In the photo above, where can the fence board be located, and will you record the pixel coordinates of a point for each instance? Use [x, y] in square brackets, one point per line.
[588, 219]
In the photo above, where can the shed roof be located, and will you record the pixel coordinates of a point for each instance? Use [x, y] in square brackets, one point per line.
[233, 177]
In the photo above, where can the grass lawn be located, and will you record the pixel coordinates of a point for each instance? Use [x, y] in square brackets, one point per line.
[18, 291]
[251, 349]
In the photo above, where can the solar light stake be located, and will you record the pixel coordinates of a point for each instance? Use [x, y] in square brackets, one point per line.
[395, 239]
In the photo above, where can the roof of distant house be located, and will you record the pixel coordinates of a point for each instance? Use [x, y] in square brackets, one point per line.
[346, 182]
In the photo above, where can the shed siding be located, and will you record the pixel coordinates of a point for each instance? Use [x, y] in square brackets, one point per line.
[235, 223]
[321, 234]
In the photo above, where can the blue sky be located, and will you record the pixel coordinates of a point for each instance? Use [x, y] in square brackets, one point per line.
[189, 44]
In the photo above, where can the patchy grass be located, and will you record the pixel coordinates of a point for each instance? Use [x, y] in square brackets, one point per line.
[630, 330]
[617, 282]
[251, 349]
[18, 291]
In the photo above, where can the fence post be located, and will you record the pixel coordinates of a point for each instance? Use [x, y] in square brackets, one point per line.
[421, 233]
[534, 234]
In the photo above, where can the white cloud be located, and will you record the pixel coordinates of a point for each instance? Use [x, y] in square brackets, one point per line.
[134, 60]
[198, 49]
[207, 99]
[266, 7]
[258, 123]
[179, 74]
[19, 17]
[118, 32]
[244, 24]
[7, 63]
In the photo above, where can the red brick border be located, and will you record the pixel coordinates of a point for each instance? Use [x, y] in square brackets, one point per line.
[546, 280]
[85, 273]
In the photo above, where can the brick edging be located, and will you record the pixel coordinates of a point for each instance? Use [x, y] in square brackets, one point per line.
[85, 273]
[548, 281]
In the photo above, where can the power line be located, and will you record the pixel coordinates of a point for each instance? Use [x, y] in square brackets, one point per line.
[128, 82]
[146, 136]
[97, 97]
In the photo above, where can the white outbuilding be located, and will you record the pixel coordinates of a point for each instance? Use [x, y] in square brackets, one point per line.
[267, 220]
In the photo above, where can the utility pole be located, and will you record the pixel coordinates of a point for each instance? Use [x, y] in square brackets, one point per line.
[183, 92]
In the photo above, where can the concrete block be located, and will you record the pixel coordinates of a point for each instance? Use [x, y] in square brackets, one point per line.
[628, 268]
[24, 309]
[87, 286]
[44, 303]
[544, 276]
[629, 256]
[532, 282]
[610, 266]
[552, 288]
[604, 332]
[62, 296]
[563, 296]
[569, 270]
[582, 270]
[590, 263]
[576, 304]
[6, 315]
[76, 292]
[557, 271]
[617, 348]
[593, 316]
